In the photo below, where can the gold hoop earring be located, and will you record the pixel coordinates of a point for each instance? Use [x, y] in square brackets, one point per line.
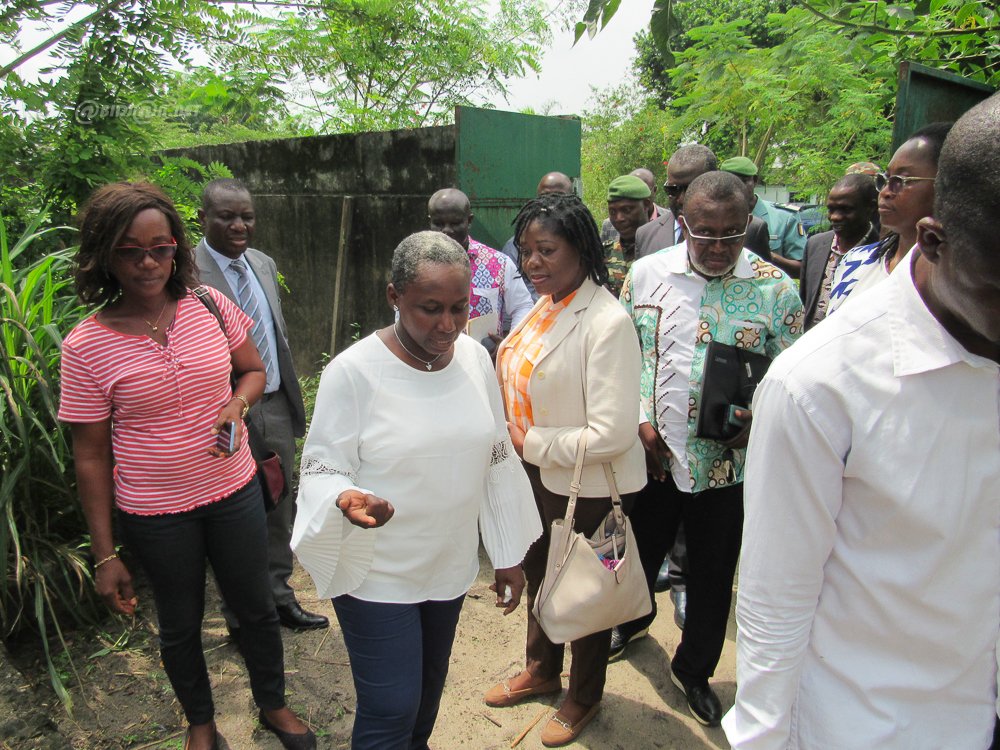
[173, 271]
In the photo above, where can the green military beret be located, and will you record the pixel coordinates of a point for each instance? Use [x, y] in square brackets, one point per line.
[740, 165]
[628, 186]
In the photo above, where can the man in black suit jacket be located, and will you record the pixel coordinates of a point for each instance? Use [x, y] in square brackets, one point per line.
[228, 220]
[850, 206]
[687, 163]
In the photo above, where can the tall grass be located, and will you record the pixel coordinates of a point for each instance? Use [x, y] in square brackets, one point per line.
[46, 581]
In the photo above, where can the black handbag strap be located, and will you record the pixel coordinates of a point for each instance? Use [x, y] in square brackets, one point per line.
[257, 446]
[203, 295]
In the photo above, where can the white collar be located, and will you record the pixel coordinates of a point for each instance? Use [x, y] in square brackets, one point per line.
[919, 342]
[223, 260]
[677, 262]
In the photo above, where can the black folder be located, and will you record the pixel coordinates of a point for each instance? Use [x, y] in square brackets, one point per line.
[729, 378]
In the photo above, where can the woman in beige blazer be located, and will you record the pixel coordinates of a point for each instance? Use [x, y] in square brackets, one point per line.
[572, 365]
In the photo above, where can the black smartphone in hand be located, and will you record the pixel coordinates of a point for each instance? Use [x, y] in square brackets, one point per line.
[225, 441]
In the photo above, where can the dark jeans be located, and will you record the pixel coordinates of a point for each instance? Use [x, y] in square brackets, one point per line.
[713, 522]
[399, 660]
[543, 658]
[173, 549]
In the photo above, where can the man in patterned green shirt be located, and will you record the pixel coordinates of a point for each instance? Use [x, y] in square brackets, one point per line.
[681, 299]
[629, 204]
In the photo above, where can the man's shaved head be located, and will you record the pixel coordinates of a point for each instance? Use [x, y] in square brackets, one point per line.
[448, 199]
[449, 211]
[693, 158]
[554, 182]
[646, 176]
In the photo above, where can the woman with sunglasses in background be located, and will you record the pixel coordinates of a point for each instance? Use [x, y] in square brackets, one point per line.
[151, 383]
[906, 195]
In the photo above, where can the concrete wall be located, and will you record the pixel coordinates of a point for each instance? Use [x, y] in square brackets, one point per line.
[301, 187]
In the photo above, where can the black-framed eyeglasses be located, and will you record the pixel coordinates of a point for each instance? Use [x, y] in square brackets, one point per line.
[137, 253]
[673, 190]
[896, 182]
[703, 241]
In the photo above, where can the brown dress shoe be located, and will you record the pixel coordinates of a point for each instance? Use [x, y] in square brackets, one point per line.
[501, 696]
[559, 732]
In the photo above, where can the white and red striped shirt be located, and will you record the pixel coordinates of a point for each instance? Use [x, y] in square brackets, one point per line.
[162, 402]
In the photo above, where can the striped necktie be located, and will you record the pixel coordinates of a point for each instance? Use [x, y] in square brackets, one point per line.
[249, 303]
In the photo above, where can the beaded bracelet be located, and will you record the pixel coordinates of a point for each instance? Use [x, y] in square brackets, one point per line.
[109, 558]
[246, 404]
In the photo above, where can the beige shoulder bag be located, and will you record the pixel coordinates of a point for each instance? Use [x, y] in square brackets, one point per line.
[590, 584]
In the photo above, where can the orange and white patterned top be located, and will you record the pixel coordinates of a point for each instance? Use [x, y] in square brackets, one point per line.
[520, 356]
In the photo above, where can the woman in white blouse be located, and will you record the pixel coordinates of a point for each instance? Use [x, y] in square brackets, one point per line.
[406, 463]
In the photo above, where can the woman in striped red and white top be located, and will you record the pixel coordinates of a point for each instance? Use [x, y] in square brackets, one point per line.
[148, 383]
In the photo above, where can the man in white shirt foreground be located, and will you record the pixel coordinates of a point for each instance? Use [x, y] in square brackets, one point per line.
[869, 594]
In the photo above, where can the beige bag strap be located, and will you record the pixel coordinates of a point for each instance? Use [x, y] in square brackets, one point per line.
[574, 487]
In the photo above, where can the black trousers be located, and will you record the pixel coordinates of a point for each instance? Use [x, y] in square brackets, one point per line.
[174, 549]
[713, 522]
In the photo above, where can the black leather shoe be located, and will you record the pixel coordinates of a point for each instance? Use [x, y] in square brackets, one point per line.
[293, 616]
[680, 600]
[288, 740]
[620, 638]
[663, 577]
[702, 701]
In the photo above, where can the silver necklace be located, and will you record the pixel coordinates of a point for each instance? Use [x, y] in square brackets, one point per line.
[425, 363]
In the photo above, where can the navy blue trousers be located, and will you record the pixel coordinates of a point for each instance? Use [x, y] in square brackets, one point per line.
[399, 659]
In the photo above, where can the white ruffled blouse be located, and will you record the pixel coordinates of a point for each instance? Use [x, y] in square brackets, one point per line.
[435, 445]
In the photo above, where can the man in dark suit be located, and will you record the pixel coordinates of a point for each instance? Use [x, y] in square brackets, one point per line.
[850, 206]
[664, 230]
[249, 277]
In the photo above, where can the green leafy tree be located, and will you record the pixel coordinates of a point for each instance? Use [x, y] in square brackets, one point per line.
[623, 131]
[955, 35]
[655, 58]
[377, 64]
[802, 110]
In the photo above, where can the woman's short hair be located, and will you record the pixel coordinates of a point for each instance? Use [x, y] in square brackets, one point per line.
[566, 215]
[104, 219]
[420, 249]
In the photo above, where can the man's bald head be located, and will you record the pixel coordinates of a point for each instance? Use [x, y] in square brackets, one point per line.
[449, 211]
[687, 163]
[693, 158]
[646, 176]
[554, 182]
[448, 199]
[960, 281]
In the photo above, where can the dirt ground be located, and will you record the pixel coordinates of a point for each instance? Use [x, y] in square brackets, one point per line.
[122, 699]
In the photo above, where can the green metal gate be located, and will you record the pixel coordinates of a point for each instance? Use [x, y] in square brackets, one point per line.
[499, 158]
[926, 95]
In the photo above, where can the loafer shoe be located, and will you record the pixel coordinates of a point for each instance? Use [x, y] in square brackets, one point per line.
[702, 701]
[501, 696]
[288, 740]
[293, 616]
[619, 640]
[680, 600]
[558, 732]
[663, 577]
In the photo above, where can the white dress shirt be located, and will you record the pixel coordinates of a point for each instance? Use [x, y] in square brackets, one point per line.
[869, 591]
[225, 265]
